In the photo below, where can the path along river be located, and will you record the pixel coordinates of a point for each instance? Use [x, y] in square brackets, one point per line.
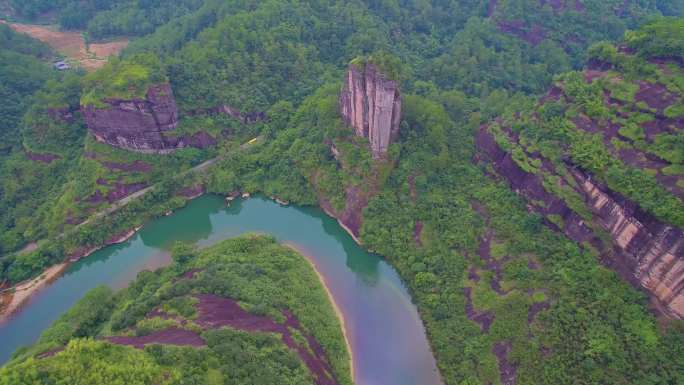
[385, 332]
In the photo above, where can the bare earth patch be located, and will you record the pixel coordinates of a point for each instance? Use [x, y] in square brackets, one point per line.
[654, 95]
[108, 49]
[170, 336]
[12, 301]
[137, 166]
[43, 158]
[72, 45]
[484, 319]
[506, 368]
[215, 312]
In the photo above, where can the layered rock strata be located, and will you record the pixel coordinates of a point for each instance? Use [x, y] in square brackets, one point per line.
[371, 104]
[136, 124]
[644, 251]
[143, 125]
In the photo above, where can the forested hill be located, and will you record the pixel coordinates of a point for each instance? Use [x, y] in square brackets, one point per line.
[476, 45]
[601, 156]
[245, 311]
[22, 72]
[505, 295]
[267, 57]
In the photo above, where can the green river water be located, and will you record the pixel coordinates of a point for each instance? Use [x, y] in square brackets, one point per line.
[386, 334]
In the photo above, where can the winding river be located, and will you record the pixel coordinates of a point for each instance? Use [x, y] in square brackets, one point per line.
[385, 332]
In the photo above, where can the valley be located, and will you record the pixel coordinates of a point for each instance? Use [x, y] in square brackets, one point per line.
[490, 192]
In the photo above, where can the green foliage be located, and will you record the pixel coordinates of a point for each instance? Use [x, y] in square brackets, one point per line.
[182, 253]
[675, 111]
[662, 37]
[459, 70]
[388, 64]
[106, 18]
[53, 123]
[265, 277]
[135, 18]
[82, 320]
[22, 72]
[123, 79]
[86, 361]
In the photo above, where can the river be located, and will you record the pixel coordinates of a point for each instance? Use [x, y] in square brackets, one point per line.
[385, 332]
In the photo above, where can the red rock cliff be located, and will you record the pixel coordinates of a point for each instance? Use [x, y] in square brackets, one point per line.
[644, 251]
[136, 124]
[371, 104]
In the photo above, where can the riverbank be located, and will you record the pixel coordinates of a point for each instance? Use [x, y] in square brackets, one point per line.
[329, 212]
[336, 308]
[11, 299]
[23, 292]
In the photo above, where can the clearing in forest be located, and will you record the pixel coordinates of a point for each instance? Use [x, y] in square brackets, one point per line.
[72, 44]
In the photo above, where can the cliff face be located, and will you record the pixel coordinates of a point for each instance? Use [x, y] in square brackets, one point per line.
[371, 104]
[136, 124]
[644, 251]
[653, 250]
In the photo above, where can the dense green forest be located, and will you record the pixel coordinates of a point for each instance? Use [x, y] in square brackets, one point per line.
[22, 73]
[104, 18]
[596, 336]
[266, 279]
[463, 63]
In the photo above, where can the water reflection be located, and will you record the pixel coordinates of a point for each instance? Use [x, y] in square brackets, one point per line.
[385, 331]
[188, 226]
[358, 262]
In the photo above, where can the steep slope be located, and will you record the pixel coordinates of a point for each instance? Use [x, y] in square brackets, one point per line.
[129, 104]
[22, 72]
[601, 157]
[246, 311]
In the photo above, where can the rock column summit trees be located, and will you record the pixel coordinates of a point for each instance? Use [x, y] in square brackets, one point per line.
[129, 103]
[370, 102]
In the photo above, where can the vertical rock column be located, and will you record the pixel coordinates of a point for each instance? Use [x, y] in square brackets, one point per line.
[371, 104]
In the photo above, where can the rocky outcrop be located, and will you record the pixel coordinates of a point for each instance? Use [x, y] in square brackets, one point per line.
[247, 118]
[136, 124]
[371, 104]
[654, 251]
[644, 251]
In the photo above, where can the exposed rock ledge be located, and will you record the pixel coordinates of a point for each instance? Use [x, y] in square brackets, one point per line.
[653, 251]
[644, 251]
[139, 124]
[371, 104]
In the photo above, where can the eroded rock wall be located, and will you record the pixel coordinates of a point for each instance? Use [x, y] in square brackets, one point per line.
[371, 104]
[136, 124]
[655, 250]
[644, 251]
